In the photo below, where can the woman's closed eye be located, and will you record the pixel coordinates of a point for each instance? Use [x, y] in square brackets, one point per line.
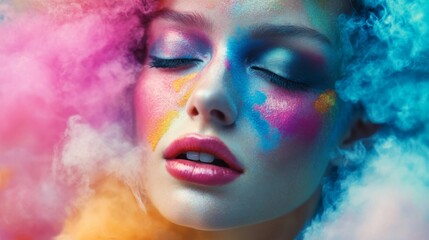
[173, 63]
[283, 82]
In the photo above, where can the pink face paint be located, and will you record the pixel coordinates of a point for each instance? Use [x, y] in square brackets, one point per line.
[292, 113]
[228, 64]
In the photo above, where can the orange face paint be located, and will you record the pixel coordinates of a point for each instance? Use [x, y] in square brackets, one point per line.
[325, 102]
[163, 124]
[161, 128]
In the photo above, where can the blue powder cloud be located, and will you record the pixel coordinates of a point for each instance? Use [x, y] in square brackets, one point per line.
[381, 190]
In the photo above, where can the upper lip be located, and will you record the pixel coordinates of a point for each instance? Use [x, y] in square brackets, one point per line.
[206, 144]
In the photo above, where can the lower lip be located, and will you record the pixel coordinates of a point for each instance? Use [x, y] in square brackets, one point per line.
[199, 173]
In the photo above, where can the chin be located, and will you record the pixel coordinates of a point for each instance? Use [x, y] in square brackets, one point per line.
[203, 220]
[214, 218]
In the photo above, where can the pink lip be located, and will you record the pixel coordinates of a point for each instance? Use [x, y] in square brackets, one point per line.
[200, 173]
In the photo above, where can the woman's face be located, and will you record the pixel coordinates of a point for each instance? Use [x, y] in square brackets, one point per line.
[236, 109]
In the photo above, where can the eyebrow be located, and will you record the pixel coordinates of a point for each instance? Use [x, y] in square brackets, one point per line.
[192, 19]
[280, 31]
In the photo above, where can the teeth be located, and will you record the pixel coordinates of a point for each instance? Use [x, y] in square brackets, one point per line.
[207, 158]
[194, 156]
[203, 157]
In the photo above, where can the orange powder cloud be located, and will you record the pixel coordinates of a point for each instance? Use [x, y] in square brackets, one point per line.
[113, 213]
[5, 175]
[326, 101]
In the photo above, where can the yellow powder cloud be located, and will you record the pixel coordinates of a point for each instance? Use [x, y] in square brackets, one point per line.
[113, 213]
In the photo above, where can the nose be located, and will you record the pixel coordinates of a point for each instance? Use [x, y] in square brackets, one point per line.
[214, 99]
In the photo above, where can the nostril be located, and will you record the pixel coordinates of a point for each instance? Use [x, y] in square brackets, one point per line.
[194, 112]
[218, 115]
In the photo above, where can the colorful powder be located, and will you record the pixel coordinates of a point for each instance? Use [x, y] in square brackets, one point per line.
[57, 61]
[5, 175]
[162, 126]
[292, 114]
[383, 192]
[71, 58]
[325, 102]
[270, 136]
[114, 213]
[228, 65]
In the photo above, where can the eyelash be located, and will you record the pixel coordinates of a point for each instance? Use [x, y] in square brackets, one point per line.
[156, 62]
[279, 80]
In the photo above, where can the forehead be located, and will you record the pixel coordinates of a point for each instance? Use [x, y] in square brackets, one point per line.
[320, 15]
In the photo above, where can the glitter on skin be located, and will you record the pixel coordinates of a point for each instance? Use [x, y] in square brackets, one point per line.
[5, 175]
[161, 128]
[252, 101]
[164, 123]
[180, 82]
[325, 102]
[271, 135]
[291, 114]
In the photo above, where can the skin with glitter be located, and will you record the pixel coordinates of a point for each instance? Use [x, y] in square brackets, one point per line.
[292, 114]
[162, 125]
[162, 118]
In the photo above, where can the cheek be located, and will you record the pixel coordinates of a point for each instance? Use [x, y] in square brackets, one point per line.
[158, 101]
[296, 115]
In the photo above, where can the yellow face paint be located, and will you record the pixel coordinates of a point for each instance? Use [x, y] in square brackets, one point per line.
[5, 175]
[325, 101]
[182, 102]
[179, 83]
[162, 126]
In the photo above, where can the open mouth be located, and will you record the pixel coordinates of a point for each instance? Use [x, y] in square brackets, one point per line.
[204, 158]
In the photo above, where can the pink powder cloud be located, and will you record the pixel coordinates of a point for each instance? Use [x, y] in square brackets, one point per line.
[63, 59]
